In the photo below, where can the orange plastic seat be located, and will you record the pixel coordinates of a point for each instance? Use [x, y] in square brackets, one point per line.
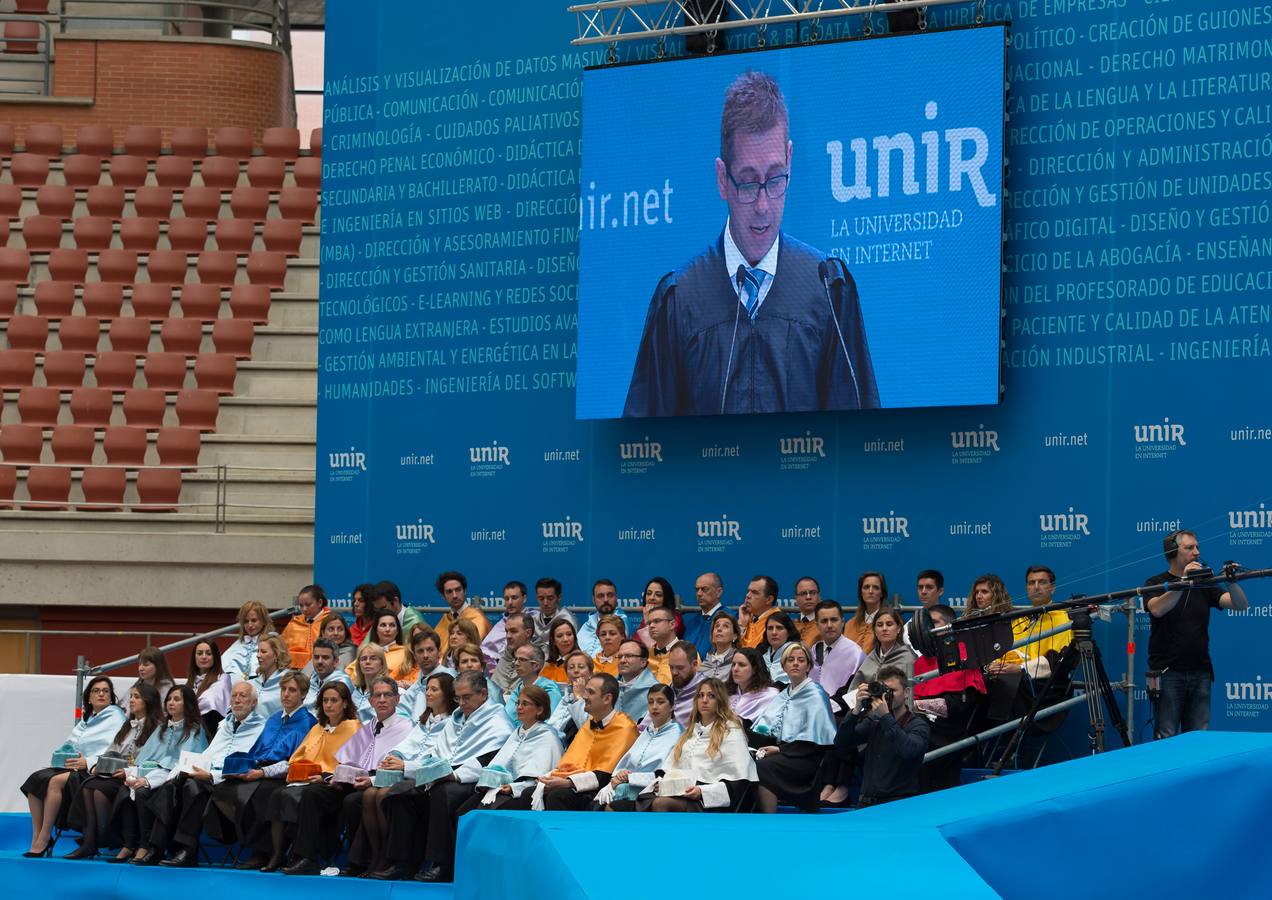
[174, 171]
[167, 266]
[21, 443]
[166, 371]
[106, 200]
[55, 200]
[215, 372]
[143, 140]
[188, 234]
[93, 232]
[201, 203]
[74, 444]
[237, 235]
[55, 299]
[117, 265]
[69, 264]
[91, 406]
[45, 138]
[39, 406]
[158, 490]
[152, 300]
[115, 370]
[217, 267]
[15, 265]
[282, 235]
[29, 169]
[298, 203]
[98, 140]
[250, 302]
[308, 172]
[125, 445]
[266, 172]
[182, 336]
[64, 369]
[80, 333]
[128, 172]
[48, 487]
[179, 446]
[42, 233]
[219, 172]
[82, 171]
[198, 409]
[153, 202]
[190, 141]
[17, 368]
[103, 300]
[200, 301]
[267, 267]
[233, 141]
[103, 489]
[28, 333]
[250, 203]
[130, 335]
[145, 407]
[234, 336]
[139, 233]
[281, 143]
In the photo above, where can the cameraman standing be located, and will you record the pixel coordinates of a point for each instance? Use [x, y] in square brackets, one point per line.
[895, 738]
[1179, 642]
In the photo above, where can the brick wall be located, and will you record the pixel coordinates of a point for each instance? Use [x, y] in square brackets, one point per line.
[162, 82]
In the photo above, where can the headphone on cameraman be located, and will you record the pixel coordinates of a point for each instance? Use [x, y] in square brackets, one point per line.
[1170, 544]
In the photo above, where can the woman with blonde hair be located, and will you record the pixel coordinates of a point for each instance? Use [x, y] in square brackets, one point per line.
[371, 665]
[459, 633]
[792, 735]
[239, 659]
[712, 752]
[273, 661]
[610, 631]
[987, 596]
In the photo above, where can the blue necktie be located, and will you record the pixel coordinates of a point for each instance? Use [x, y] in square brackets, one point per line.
[752, 281]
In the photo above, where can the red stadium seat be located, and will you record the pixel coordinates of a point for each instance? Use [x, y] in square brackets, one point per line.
[159, 490]
[200, 301]
[250, 302]
[125, 445]
[299, 203]
[29, 169]
[236, 235]
[45, 138]
[217, 267]
[17, 369]
[179, 447]
[201, 203]
[28, 333]
[42, 233]
[174, 171]
[234, 336]
[48, 487]
[10, 200]
[188, 141]
[266, 172]
[8, 138]
[215, 372]
[36, 7]
[167, 267]
[103, 489]
[91, 406]
[315, 142]
[128, 172]
[166, 371]
[188, 234]
[55, 299]
[198, 409]
[145, 407]
[94, 232]
[82, 171]
[281, 143]
[106, 200]
[143, 140]
[8, 299]
[69, 264]
[250, 203]
[129, 335]
[308, 172]
[15, 265]
[55, 200]
[6, 230]
[64, 369]
[233, 141]
[282, 235]
[139, 233]
[21, 443]
[103, 300]
[8, 484]
[182, 336]
[153, 202]
[74, 444]
[267, 267]
[80, 333]
[117, 265]
[151, 300]
[22, 37]
[220, 172]
[115, 370]
[39, 406]
[97, 140]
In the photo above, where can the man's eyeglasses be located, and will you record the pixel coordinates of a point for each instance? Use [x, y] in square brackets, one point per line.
[749, 191]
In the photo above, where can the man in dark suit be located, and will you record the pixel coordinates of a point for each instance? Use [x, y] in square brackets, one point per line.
[758, 322]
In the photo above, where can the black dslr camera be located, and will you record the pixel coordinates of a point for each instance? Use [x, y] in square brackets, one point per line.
[879, 690]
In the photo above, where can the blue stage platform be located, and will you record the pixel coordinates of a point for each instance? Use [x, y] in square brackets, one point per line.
[1178, 818]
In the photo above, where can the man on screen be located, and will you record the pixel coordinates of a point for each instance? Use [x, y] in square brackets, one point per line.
[758, 322]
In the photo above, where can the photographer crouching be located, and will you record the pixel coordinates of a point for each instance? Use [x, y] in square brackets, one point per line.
[895, 738]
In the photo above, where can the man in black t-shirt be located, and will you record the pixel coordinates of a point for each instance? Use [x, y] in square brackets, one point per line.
[1179, 642]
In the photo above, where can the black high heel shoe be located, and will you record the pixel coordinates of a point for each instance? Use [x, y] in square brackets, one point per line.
[40, 854]
[81, 853]
[124, 856]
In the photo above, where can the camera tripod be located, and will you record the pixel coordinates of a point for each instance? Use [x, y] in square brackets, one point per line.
[1083, 654]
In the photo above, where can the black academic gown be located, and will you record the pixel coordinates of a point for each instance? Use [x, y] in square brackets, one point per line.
[788, 358]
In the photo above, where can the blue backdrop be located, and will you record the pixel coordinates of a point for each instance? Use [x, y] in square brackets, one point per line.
[1137, 323]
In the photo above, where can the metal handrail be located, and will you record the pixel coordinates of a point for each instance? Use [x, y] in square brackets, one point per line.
[43, 55]
[249, 17]
[28, 633]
